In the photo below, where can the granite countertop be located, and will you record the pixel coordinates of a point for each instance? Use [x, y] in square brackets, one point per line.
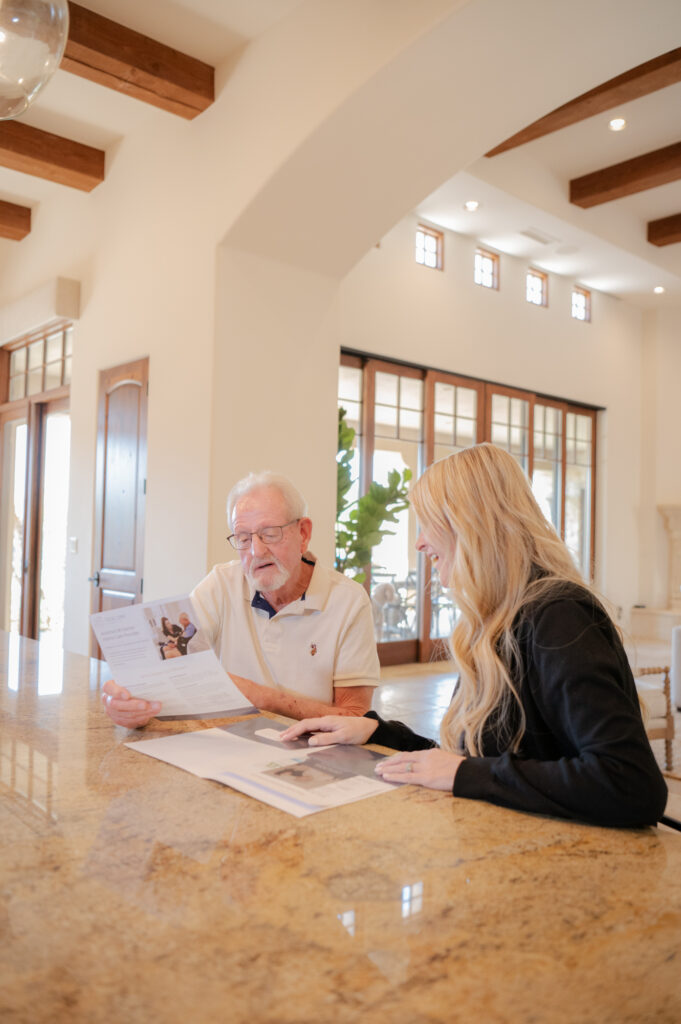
[135, 892]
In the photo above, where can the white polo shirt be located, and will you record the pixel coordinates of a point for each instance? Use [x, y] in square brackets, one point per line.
[322, 640]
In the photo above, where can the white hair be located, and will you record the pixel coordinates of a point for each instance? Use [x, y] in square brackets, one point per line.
[296, 506]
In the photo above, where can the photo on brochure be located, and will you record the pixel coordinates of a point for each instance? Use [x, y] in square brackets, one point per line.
[160, 652]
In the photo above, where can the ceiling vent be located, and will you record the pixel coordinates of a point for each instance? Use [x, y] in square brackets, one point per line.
[539, 236]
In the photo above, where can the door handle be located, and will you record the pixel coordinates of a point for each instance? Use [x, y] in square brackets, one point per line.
[94, 579]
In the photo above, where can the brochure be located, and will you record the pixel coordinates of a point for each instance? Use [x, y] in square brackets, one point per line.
[158, 652]
[249, 756]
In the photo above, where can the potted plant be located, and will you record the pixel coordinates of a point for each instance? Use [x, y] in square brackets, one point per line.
[360, 523]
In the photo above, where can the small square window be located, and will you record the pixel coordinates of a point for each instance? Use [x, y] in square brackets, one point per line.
[486, 270]
[537, 288]
[429, 247]
[581, 304]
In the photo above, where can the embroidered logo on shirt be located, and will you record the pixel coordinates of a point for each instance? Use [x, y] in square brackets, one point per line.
[313, 649]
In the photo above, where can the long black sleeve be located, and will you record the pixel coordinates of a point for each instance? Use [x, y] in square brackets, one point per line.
[397, 735]
[585, 753]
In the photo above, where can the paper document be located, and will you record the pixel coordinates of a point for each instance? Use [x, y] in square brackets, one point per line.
[250, 757]
[157, 651]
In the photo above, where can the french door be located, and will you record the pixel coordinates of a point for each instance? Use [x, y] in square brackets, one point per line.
[408, 416]
[35, 438]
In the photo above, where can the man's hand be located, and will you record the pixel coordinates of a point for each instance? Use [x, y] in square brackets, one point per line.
[434, 768]
[332, 729]
[124, 709]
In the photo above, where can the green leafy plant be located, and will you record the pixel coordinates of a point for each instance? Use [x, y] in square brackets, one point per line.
[360, 523]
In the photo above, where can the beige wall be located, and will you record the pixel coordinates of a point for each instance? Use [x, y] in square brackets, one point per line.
[661, 449]
[217, 247]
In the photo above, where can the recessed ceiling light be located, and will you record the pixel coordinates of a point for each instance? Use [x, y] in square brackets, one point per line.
[617, 124]
[658, 289]
[471, 205]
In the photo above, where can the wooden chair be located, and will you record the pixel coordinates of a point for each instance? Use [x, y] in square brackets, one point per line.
[656, 699]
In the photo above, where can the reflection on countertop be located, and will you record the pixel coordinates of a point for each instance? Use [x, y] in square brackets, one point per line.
[133, 891]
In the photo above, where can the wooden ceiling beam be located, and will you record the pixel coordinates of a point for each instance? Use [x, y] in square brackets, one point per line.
[45, 155]
[665, 231]
[111, 54]
[639, 81]
[624, 179]
[15, 221]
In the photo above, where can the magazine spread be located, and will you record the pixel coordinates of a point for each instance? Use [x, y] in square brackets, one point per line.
[250, 756]
[158, 652]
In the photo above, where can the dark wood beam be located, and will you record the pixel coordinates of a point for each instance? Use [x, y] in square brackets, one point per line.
[45, 155]
[639, 81]
[111, 54]
[15, 221]
[665, 231]
[624, 179]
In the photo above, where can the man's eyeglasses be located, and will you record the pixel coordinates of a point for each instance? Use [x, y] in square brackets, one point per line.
[268, 535]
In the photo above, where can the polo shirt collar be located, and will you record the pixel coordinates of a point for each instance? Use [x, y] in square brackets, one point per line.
[311, 600]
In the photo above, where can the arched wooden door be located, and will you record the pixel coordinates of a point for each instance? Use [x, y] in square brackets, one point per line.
[120, 486]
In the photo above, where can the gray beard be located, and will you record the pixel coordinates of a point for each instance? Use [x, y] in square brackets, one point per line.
[280, 577]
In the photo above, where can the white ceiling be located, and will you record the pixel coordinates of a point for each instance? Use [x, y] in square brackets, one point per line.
[527, 190]
[523, 190]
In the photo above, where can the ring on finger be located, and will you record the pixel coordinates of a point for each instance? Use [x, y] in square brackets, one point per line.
[409, 767]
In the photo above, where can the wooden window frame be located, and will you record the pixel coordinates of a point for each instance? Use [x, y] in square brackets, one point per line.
[539, 275]
[496, 264]
[424, 648]
[578, 290]
[57, 327]
[580, 410]
[34, 409]
[439, 237]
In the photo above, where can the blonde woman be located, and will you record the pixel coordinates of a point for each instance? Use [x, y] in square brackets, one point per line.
[545, 716]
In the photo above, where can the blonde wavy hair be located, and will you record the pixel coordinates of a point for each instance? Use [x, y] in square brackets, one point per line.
[477, 505]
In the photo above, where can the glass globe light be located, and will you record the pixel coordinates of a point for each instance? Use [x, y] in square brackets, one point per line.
[33, 35]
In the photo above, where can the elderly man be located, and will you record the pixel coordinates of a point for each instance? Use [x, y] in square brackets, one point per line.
[295, 637]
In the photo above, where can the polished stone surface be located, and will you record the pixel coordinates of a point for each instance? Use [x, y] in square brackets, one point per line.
[135, 892]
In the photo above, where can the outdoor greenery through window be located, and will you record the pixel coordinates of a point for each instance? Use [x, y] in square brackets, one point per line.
[406, 417]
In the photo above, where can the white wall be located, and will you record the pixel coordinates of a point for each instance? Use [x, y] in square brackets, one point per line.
[391, 306]
[276, 380]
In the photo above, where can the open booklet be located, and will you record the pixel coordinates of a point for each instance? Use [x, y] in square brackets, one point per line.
[250, 756]
[158, 652]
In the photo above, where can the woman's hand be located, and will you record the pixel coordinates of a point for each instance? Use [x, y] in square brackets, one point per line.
[332, 729]
[434, 768]
[124, 709]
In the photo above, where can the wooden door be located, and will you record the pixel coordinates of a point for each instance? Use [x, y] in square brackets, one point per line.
[120, 484]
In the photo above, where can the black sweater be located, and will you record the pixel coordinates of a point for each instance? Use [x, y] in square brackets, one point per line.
[584, 753]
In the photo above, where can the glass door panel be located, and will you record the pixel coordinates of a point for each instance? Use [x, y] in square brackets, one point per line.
[510, 426]
[57, 441]
[547, 463]
[455, 427]
[578, 479]
[411, 417]
[398, 435]
[12, 520]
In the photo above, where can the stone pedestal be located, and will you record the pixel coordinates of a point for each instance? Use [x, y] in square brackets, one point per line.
[671, 515]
